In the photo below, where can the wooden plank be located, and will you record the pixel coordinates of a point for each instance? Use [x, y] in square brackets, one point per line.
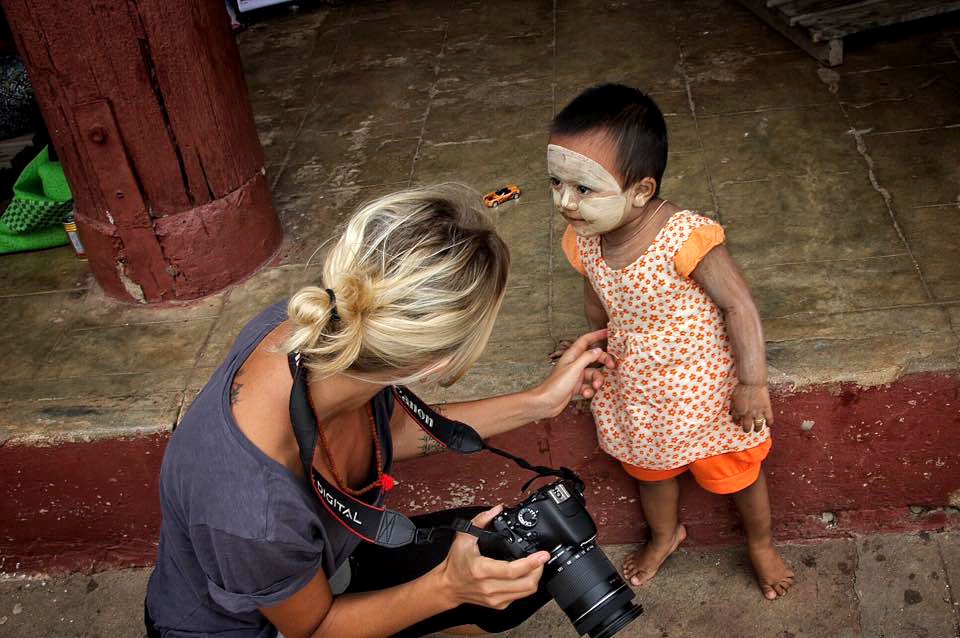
[204, 87]
[829, 53]
[819, 26]
[9, 148]
[142, 259]
[870, 15]
[825, 11]
[146, 103]
[798, 7]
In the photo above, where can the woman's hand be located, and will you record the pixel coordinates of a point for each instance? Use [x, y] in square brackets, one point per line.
[578, 371]
[750, 407]
[469, 577]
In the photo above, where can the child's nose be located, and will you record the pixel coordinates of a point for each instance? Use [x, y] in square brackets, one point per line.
[567, 200]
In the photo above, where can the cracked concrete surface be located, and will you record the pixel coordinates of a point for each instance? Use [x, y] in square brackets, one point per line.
[839, 188]
[892, 586]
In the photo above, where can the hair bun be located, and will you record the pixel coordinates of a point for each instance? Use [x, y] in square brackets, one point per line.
[356, 296]
[418, 277]
[309, 306]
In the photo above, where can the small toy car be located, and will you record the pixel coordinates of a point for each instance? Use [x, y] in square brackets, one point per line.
[505, 194]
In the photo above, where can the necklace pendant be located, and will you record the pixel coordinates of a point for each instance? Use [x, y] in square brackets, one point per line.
[387, 482]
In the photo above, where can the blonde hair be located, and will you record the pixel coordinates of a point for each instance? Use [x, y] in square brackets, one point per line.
[418, 277]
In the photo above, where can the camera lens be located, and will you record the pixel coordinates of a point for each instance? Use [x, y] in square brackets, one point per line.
[590, 591]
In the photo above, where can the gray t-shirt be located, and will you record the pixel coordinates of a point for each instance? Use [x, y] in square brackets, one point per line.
[239, 531]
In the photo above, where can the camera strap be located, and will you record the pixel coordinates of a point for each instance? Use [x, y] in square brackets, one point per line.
[462, 438]
[370, 521]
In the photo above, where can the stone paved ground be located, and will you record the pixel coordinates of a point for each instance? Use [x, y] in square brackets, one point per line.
[875, 587]
[840, 189]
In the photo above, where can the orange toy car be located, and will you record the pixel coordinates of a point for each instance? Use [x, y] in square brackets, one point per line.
[505, 194]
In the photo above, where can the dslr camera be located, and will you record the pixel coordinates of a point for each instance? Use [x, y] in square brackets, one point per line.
[578, 575]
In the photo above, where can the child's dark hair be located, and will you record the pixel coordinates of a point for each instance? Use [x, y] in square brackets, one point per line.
[633, 121]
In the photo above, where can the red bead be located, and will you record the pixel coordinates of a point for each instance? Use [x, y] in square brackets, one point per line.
[387, 482]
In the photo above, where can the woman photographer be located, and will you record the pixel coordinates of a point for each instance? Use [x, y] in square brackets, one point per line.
[409, 293]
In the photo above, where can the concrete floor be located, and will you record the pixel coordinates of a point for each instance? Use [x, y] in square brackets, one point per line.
[839, 188]
[893, 586]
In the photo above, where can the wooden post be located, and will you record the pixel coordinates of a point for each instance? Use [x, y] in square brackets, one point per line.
[146, 104]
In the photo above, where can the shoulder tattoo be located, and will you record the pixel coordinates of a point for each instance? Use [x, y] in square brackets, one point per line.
[235, 388]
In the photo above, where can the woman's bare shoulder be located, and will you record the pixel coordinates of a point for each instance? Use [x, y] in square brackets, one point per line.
[260, 400]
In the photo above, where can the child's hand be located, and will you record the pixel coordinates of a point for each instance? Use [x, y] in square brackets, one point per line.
[562, 347]
[579, 371]
[751, 407]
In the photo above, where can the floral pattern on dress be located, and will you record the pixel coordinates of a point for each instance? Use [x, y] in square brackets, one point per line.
[668, 402]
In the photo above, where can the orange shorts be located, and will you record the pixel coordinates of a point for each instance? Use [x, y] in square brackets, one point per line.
[721, 474]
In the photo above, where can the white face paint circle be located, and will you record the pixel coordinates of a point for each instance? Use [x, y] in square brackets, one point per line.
[585, 192]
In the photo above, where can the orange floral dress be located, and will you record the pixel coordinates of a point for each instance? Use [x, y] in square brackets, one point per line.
[668, 402]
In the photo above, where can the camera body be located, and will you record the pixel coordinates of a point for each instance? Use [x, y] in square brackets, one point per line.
[552, 517]
[578, 575]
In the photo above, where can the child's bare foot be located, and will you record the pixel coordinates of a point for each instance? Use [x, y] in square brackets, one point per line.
[773, 575]
[642, 565]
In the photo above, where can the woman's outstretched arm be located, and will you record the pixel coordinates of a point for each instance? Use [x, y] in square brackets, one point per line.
[575, 374]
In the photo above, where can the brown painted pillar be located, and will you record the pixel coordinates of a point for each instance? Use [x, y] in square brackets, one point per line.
[146, 104]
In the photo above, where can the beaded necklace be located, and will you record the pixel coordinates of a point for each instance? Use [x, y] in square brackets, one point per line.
[384, 480]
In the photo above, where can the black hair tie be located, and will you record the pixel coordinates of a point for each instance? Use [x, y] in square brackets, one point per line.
[334, 315]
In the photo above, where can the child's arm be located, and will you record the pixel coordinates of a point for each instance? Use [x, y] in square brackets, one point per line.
[720, 278]
[593, 307]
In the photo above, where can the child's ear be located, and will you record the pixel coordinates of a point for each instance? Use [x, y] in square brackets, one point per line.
[643, 191]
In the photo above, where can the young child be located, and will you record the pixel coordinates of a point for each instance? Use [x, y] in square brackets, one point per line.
[690, 388]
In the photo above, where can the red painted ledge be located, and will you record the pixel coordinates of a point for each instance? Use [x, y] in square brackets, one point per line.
[881, 459]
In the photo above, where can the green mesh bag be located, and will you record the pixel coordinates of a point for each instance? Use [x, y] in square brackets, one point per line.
[41, 196]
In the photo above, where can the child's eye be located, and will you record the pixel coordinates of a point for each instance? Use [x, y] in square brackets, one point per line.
[554, 182]
[583, 190]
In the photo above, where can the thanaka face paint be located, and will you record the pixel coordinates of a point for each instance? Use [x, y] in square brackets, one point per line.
[586, 193]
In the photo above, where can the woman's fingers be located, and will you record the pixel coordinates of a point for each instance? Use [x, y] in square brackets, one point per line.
[483, 519]
[515, 587]
[591, 337]
[490, 568]
[583, 344]
[596, 378]
[593, 379]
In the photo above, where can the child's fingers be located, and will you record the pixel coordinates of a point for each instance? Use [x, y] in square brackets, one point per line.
[562, 347]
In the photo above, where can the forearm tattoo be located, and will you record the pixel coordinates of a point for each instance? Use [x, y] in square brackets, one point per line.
[428, 444]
